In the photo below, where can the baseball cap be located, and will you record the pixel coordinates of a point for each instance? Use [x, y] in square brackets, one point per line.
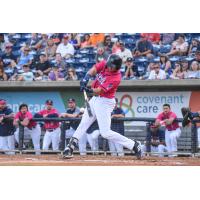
[129, 59]
[71, 100]
[49, 102]
[65, 36]
[121, 42]
[2, 101]
[42, 54]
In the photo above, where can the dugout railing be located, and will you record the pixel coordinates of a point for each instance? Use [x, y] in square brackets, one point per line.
[189, 140]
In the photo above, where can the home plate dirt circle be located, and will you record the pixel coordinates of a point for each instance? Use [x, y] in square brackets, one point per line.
[97, 160]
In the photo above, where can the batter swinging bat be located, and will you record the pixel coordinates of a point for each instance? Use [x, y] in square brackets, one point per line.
[87, 104]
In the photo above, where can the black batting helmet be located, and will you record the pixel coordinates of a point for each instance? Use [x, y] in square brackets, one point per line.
[114, 61]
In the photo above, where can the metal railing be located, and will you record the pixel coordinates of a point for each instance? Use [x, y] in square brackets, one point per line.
[194, 137]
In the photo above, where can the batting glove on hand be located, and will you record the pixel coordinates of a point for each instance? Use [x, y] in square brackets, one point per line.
[88, 90]
[85, 80]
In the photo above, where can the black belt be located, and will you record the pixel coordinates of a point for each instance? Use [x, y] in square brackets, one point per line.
[51, 130]
[32, 128]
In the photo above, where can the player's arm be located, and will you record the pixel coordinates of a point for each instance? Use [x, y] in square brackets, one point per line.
[69, 115]
[25, 122]
[118, 116]
[169, 121]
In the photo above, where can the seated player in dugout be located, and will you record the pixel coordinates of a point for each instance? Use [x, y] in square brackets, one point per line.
[73, 111]
[155, 141]
[172, 130]
[188, 116]
[107, 79]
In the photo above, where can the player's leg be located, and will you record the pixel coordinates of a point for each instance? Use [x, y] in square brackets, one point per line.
[4, 143]
[11, 144]
[112, 148]
[168, 141]
[35, 136]
[69, 133]
[173, 137]
[85, 123]
[161, 149]
[119, 148]
[82, 144]
[93, 140]
[103, 109]
[198, 132]
[55, 139]
[46, 140]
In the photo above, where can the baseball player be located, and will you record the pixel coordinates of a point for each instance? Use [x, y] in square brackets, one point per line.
[172, 131]
[52, 128]
[24, 117]
[104, 87]
[73, 112]
[156, 139]
[188, 116]
[7, 140]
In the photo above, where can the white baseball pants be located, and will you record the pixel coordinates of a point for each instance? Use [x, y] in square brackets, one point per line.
[93, 140]
[51, 137]
[7, 143]
[81, 143]
[101, 108]
[171, 139]
[34, 133]
[159, 149]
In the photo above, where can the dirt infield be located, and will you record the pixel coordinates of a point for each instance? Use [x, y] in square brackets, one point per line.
[56, 160]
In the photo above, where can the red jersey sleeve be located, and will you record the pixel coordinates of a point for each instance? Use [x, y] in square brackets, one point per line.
[172, 115]
[17, 115]
[159, 117]
[100, 66]
[109, 85]
[29, 115]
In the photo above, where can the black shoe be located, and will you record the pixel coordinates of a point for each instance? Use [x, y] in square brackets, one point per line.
[137, 149]
[68, 153]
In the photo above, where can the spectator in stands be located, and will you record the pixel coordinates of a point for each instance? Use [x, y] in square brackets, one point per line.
[50, 49]
[56, 37]
[143, 48]
[43, 67]
[65, 48]
[172, 131]
[185, 67]
[73, 111]
[86, 41]
[59, 61]
[131, 71]
[124, 52]
[197, 54]
[8, 57]
[116, 48]
[118, 126]
[3, 76]
[193, 47]
[25, 57]
[33, 41]
[177, 72]
[27, 75]
[74, 39]
[55, 74]
[41, 45]
[96, 38]
[155, 141]
[167, 38]
[154, 38]
[157, 73]
[194, 72]
[2, 42]
[71, 74]
[179, 47]
[101, 54]
[150, 68]
[165, 64]
[108, 44]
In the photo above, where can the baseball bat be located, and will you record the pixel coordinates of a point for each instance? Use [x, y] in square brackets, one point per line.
[87, 104]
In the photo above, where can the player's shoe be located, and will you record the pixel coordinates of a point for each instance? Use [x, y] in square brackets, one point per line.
[137, 149]
[68, 153]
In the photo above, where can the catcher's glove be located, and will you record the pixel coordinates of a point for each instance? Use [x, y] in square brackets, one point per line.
[185, 112]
